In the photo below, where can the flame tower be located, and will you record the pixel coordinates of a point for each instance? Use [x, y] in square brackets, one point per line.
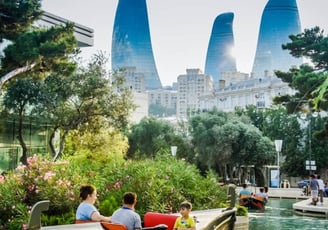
[131, 43]
[219, 57]
[280, 19]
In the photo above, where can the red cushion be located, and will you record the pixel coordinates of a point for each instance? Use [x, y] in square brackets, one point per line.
[153, 218]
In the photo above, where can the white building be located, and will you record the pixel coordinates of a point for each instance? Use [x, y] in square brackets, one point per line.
[255, 91]
[141, 102]
[163, 97]
[133, 79]
[191, 87]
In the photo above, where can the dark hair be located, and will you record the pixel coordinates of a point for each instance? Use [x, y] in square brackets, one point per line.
[86, 190]
[261, 189]
[245, 185]
[186, 205]
[129, 198]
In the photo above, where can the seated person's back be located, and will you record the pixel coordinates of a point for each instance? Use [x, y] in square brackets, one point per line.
[244, 192]
[86, 211]
[262, 195]
[126, 215]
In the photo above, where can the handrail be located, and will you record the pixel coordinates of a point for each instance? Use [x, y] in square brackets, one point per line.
[226, 221]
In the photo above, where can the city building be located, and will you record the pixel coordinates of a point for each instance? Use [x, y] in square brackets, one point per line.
[131, 42]
[253, 91]
[280, 19]
[191, 86]
[141, 102]
[133, 79]
[83, 34]
[219, 53]
[163, 97]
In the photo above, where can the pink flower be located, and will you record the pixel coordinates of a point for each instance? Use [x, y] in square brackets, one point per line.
[2, 179]
[20, 168]
[118, 185]
[48, 175]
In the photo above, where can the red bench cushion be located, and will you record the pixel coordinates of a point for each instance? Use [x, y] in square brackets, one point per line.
[153, 218]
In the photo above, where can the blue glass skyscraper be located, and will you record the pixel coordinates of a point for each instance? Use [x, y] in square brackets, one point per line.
[219, 57]
[280, 19]
[131, 43]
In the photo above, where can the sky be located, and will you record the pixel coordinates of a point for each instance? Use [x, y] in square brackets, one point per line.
[180, 29]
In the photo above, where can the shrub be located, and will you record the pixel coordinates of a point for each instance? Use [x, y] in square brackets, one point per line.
[241, 211]
[161, 184]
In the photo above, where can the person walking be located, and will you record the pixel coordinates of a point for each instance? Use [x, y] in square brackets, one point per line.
[321, 189]
[314, 186]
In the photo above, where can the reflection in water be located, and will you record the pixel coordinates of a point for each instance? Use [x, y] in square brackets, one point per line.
[279, 214]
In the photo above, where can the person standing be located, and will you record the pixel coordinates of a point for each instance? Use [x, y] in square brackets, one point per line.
[126, 214]
[321, 189]
[314, 186]
[185, 221]
[86, 211]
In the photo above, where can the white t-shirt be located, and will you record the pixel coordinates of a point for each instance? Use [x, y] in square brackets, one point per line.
[321, 184]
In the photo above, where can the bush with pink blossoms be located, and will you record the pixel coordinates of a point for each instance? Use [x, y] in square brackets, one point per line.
[40, 180]
[161, 184]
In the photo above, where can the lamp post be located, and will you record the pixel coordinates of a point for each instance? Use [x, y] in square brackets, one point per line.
[174, 150]
[278, 144]
[309, 164]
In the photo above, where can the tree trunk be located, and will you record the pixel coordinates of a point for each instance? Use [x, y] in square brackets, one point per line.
[15, 72]
[61, 145]
[20, 138]
[51, 142]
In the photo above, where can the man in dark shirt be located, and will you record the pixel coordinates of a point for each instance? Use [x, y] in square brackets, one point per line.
[314, 186]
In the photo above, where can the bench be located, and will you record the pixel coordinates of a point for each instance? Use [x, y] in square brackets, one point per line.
[152, 219]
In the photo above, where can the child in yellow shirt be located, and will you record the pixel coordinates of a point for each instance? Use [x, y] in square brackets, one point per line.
[185, 221]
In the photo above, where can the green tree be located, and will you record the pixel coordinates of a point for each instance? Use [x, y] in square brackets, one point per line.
[85, 101]
[224, 142]
[18, 100]
[17, 16]
[151, 136]
[311, 82]
[38, 52]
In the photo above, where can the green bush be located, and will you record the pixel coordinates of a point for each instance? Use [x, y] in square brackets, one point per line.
[241, 211]
[161, 185]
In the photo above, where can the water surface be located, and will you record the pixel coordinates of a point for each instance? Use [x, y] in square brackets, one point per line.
[279, 214]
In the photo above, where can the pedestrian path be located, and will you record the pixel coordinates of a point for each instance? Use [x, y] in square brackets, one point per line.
[305, 208]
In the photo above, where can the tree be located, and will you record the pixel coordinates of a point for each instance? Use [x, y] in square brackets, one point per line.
[18, 100]
[312, 82]
[17, 16]
[85, 101]
[224, 142]
[38, 52]
[151, 136]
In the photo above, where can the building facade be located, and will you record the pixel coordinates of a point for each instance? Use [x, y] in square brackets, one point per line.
[255, 91]
[163, 97]
[191, 86]
[219, 53]
[280, 19]
[131, 42]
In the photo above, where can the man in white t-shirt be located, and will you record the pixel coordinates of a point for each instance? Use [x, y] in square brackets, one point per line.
[321, 189]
